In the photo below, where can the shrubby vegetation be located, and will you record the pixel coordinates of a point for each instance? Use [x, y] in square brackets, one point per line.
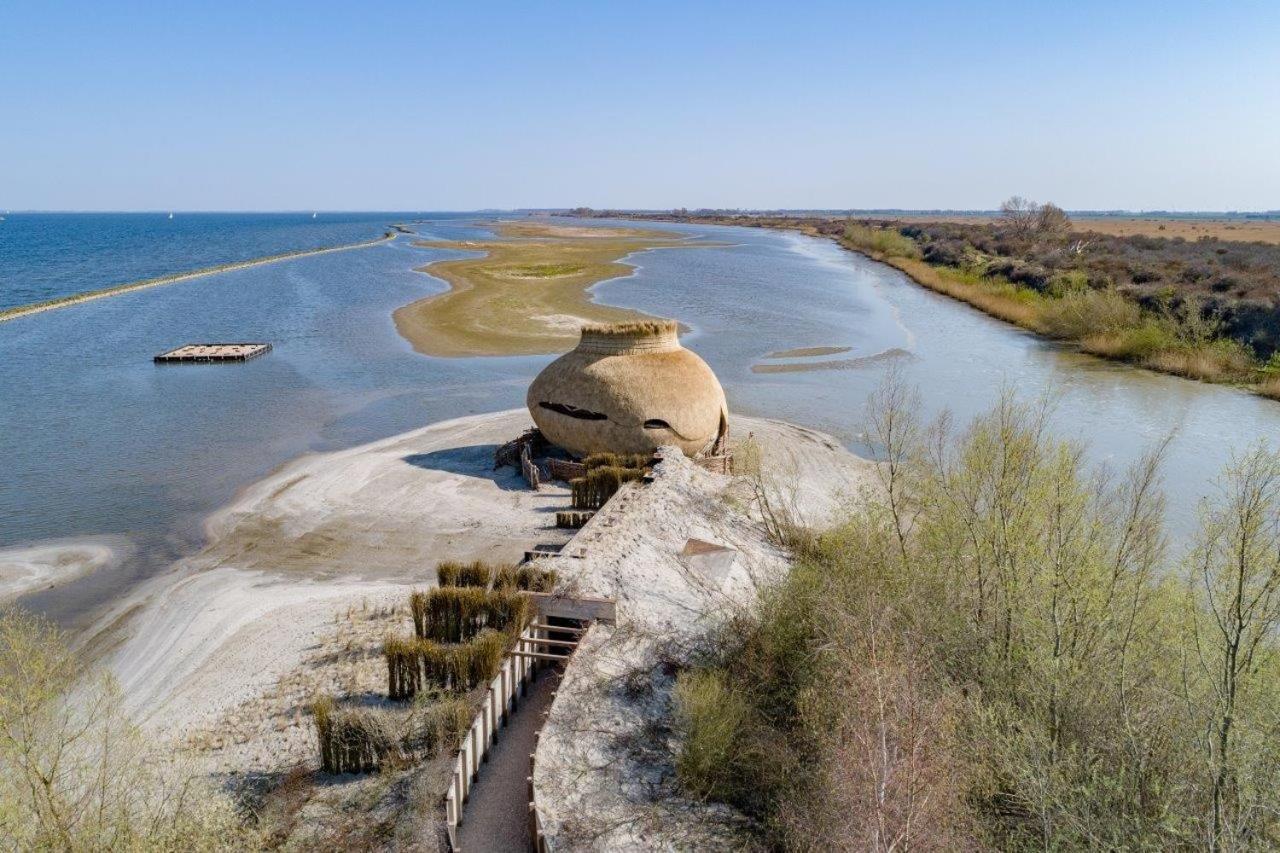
[995, 652]
[75, 774]
[1202, 309]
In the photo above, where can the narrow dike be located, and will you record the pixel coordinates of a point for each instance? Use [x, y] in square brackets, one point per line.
[117, 289]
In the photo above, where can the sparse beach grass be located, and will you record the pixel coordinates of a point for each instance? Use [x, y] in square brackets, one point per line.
[528, 294]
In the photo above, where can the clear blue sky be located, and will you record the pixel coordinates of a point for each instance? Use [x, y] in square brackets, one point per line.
[275, 105]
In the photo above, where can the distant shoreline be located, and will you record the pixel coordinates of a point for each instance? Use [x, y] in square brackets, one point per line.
[117, 289]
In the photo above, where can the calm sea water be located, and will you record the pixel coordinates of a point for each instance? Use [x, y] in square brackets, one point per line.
[47, 255]
[99, 441]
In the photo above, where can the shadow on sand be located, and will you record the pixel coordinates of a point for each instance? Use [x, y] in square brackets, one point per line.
[475, 461]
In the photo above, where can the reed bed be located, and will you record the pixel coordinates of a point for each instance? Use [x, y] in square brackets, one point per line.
[478, 573]
[495, 576]
[572, 520]
[618, 460]
[600, 484]
[414, 663]
[362, 740]
[455, 614]
[353, 740]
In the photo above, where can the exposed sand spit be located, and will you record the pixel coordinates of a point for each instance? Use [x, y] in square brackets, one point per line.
[324, 533]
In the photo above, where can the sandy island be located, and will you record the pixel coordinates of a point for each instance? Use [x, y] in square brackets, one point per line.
[528, 294]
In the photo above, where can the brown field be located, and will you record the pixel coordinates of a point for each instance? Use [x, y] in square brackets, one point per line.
[1190, 228]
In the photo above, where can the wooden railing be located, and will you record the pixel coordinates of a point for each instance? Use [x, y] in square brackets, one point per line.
[501, 701]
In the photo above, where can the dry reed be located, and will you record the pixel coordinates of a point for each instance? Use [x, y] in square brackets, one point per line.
[455, 614]
[414, 663]
[600, 484]
[353, 740]
[495, 576]
[573, 520]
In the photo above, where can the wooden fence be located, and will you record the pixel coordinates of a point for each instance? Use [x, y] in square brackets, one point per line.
[501, 701]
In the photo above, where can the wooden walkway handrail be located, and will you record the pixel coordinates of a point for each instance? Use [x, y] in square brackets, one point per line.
[501, 701]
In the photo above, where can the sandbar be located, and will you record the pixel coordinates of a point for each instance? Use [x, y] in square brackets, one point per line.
[527, 295]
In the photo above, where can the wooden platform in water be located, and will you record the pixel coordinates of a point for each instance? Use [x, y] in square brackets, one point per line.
[208, 353]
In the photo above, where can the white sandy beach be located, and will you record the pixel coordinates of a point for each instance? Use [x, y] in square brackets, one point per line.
[208, 648]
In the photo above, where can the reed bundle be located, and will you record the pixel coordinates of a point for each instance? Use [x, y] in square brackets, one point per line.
[455, 614]
[495, 576]
[478, 573]
[618, 460]
[600, 484]
[353, 740]
[572, 520]
[414, 663]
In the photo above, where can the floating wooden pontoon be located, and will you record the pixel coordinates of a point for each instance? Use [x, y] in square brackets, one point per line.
[208, 353]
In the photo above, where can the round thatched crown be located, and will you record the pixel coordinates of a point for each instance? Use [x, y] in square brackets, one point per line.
[650, 336]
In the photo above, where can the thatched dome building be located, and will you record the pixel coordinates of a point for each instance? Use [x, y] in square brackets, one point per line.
[629, 388]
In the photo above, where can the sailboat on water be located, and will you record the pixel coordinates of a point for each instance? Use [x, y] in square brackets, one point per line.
[313, 216]
[171, 216]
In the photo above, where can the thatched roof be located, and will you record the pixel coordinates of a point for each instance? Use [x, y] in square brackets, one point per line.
[628, 388]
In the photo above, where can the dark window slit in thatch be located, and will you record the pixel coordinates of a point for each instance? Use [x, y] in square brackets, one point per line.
[574, 412]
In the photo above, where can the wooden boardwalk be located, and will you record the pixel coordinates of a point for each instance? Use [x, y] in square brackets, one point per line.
[209, 353]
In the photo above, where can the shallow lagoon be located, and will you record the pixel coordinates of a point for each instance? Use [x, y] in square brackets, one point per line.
[98, 441]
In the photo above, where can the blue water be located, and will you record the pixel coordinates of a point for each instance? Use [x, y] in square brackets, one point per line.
[97, 440]
[48, 255]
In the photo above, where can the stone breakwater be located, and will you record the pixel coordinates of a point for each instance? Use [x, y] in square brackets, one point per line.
[117, 289]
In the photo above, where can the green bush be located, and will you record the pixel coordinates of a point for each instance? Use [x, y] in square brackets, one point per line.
[1080, 313]
[993, 655]
[881, 241]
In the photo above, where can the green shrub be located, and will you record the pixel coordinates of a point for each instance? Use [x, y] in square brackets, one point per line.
[991, 655]
[1081, 313]
[881, 241]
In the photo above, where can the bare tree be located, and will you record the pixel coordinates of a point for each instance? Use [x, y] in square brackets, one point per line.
[1052, 221]
[1023, 217]
[1019, 215]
